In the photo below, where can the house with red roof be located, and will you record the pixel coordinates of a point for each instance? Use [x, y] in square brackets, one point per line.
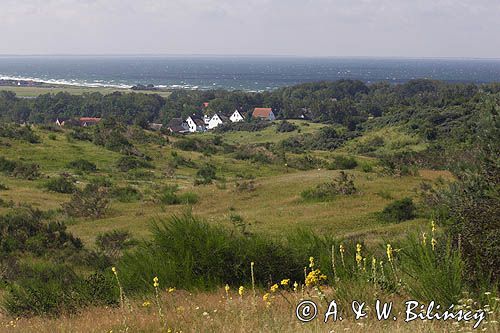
[263, 113]
[88, 121]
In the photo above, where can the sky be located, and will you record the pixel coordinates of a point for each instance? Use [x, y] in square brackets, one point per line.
[370, 28]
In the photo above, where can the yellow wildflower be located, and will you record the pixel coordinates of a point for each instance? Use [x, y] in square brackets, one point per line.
[389, 251]
[295, 286]
[424, 238]
[433, 226]
[274, 288]
[315, 278]
[266, 297]
[359, 257]
[146, 304]
[241, 290]
[311, 262]
[113, 269]
[156, 282]
[171, 289]
[285, 282]
[226, 288]
[433, 243]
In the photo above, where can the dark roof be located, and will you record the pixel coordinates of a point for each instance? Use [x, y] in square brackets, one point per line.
[175, 125]
[224, 118]
[198, 121]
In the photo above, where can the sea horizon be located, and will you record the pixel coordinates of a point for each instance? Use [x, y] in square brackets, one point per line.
[238, 72]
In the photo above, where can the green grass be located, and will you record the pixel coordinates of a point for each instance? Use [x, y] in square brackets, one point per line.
[74, 90]
[268, 134]
[274, 206]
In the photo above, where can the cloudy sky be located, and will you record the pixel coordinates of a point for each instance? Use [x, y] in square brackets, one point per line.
[408, 28]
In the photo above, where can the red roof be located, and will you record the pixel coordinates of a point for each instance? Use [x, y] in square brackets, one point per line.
[262, 112]
[89, 119]
[205, 105]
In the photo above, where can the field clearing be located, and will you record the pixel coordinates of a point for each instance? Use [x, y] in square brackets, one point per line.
[30, 92]
[274, 206]
[215, 312]
[268, 134]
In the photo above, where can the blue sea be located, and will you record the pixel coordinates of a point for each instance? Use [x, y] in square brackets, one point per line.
[254, 73]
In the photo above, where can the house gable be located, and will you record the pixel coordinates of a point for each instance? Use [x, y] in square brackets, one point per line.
[236, 117]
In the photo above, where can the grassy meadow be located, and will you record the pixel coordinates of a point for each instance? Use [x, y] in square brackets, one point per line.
[250, 211]
[30, 92]
[273, 206]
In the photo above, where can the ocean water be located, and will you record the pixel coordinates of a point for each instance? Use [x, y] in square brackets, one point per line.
[241, 73]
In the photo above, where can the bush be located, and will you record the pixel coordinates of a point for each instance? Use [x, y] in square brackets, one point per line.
[205, 175]
[127, 163]
[168, 196]
[126, 194]
[432, 274]
[341, 185]
[188, 198]
[19, 169]
[79, 134]
[343, 163]
[113, 243]
[55, 290]
[398, 211]
[82, 165]
[286, 126]
[209, 257]
[61, 184]
[25, 231]
[24, 133]
[305, 162]
[92, 202]
[52, 136]
[3, 187]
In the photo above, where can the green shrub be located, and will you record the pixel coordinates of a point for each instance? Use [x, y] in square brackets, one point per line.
[126, 194]
[188, 253]
[113, 243]
[50, 289]
[52, 136]
[206, 174]
[24, 230]
[305, 162]
[91, 202]
[168, 196]
[14, 131]
[366, 167]
[178, 160]
[19, 169]
[398, 211]
[3, 187]
[343, 163]
[286, 126]
[82, 165]
[79, 134]
[127, 163]
[341, 185]
[188, 198]
[432, 274]
[61, 184]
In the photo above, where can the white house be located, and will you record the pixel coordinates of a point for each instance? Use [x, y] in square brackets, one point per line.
[60, 122]
[217, 120]
[206, 119]
[263, 113]
[177, 125]
[236, 117]
[195, 124]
